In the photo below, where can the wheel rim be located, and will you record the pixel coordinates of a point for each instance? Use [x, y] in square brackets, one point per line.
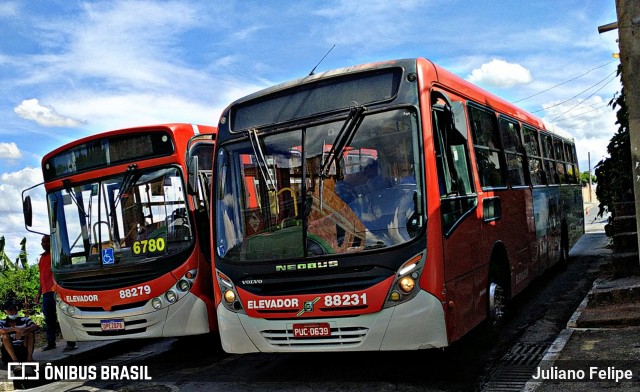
[497, 304]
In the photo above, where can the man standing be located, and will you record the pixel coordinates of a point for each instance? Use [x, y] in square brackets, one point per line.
[48, 300]
[17, 334]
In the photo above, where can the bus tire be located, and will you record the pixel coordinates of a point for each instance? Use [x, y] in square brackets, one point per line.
[498, 293]
[563, 261]
[497, 303]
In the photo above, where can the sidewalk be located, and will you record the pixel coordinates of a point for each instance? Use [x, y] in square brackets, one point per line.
[600, 347]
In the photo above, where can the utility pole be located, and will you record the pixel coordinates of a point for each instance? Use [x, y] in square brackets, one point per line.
[590, 191]
[628, 24]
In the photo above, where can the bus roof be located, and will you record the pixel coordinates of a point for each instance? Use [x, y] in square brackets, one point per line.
[439, 75]
[171, 127]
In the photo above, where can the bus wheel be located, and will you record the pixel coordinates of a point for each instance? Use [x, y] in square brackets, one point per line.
[497, 303]
[564, 249]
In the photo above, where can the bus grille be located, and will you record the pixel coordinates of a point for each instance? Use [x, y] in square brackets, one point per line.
[347, 336]
[114, 308]
[108, 281]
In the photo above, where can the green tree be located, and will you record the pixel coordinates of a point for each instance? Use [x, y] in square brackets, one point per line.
[19, 281]
[5, 261]
[615, 180]
[584, 178]
[22, 257]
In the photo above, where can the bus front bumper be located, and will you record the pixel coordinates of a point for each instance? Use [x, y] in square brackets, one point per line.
[188, 316]
[416, 324]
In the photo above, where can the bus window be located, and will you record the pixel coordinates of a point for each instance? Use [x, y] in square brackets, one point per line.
[452, 158]
[549, 164]
[487, 147]
[532, 148]
[513, 150]
[572, 172]
[559, 154]
[573, 163]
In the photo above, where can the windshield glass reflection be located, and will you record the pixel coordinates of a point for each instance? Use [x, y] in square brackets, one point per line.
[288, 195]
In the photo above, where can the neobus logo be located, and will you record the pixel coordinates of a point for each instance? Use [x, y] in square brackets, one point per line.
[306, 266]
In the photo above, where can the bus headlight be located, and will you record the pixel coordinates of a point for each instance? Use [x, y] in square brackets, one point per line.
[156, 303]
[65, 308]
[171, 296]
[229, 296]
[176, 292]
[183, 285]
[406, 284]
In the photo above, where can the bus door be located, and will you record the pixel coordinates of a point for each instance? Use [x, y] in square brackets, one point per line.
[464, 275]
[200, 166]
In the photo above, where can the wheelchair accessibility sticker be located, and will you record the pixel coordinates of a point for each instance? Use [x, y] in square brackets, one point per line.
[107, 256]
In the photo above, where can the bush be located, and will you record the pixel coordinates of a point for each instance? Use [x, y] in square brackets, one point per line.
[615, 177]
[21, 285]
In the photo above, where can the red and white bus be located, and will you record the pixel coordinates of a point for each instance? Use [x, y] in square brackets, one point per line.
[436, 202]
[128, 217]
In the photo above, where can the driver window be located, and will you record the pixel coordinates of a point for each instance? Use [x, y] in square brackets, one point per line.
[457, 193]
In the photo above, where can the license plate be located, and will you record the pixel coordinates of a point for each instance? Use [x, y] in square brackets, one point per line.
[112, 325]
[316, 330]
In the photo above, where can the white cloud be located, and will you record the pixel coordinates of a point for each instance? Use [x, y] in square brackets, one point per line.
[110, 110]
[12, 223]
[499, 73]
[9, 151]
[30, 109]
[8, 9]
[114, 45]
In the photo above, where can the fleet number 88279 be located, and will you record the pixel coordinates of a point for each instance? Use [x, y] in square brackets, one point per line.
[135, 291]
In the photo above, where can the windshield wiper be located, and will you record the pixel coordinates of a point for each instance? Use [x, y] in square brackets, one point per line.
[262, 160]
[67, 187]
[127, 183]
[343, 139]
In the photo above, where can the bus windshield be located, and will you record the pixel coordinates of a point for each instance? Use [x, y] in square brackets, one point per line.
[295, 194]
[133, 217]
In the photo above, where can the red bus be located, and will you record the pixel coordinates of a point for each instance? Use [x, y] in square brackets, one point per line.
[458, 201]
[128, 217]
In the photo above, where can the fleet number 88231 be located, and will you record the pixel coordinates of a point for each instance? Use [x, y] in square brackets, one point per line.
[345, 300]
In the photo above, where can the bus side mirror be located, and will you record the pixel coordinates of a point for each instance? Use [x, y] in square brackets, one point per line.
[491, 209]
[27, 211]
[192, 177]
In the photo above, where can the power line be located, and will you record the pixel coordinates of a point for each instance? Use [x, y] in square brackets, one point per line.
[589, 111]
[599, 115]
[565, 82]
[580, 103]
[577, 95]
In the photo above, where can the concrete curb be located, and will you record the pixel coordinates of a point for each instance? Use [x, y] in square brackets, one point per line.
[573, 321]
[554, 351]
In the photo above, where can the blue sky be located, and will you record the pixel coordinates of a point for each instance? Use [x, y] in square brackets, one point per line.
[70, 68]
